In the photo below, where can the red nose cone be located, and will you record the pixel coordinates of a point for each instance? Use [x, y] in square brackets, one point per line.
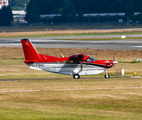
[109, 63]
[104, 63]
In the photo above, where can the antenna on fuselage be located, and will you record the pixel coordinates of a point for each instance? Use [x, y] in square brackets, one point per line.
[62, 55]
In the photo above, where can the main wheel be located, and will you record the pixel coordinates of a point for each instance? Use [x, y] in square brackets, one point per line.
[107, 76]
[76, 76]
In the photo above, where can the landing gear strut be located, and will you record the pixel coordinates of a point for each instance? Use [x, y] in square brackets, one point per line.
[107, 75]
[76, 76]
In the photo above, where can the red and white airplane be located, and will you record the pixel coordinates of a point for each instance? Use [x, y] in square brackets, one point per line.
[75, 65]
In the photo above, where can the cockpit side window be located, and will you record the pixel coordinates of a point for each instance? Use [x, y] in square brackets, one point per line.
[88, 60]
[93, 59]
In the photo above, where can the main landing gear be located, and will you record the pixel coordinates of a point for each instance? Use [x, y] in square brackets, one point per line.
[76, 76]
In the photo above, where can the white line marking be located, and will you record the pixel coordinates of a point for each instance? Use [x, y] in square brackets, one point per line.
[20, 91]
[11, 44]
[137, 46]
[99, 89]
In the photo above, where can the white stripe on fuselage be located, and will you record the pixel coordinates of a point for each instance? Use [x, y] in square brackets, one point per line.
[68, 68]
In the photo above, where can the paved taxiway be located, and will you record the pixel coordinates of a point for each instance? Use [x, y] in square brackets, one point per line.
[57, 42]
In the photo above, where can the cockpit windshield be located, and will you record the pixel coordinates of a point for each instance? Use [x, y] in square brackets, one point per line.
[93, 59]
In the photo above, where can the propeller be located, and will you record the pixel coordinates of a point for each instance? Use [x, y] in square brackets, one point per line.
[113, 57]
[114, 62]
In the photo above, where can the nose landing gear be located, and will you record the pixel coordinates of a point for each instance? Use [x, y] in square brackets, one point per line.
[107, 75]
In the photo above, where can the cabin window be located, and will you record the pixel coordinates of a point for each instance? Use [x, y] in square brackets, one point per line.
[88, 60]
[93, 59]
[57, 62]
[64, 61]
[70, 61]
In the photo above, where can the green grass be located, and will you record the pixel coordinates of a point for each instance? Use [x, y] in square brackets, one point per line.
[71, 99]
[135, 61]
[15, 68]
[83, 34]
[97, 39]
[87, 34]
[63, 98]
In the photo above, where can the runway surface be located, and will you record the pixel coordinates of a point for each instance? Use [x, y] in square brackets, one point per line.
[57, 42]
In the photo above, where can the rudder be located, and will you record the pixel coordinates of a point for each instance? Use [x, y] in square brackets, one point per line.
[29, 50]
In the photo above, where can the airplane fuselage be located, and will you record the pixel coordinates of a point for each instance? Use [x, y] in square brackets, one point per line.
[75, 65]
[66, 68]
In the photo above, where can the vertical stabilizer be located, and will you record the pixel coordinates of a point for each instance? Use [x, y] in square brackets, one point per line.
[29, 50]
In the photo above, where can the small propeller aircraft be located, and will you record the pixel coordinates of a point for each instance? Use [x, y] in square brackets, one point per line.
[74, 65]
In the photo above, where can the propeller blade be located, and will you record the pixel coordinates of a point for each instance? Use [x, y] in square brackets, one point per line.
[113, 57]
[114, 62]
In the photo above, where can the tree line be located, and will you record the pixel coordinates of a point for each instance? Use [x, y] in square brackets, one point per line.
[70, 8]
[6, 16]
[18, 4]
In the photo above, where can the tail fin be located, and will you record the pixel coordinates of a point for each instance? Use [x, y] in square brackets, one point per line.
[29, 51]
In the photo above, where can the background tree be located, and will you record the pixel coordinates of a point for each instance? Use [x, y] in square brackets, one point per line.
[48, 6]
[129, 13]
[1, 17]
[32, 14]
[18, 4]
[116, 7]
[69, 8]
[68, 12]
[6, 16]
[139, 17]
[80, 16]
[87, 6]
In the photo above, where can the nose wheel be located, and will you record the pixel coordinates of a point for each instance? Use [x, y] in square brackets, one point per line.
[76, 76]
[107, 76]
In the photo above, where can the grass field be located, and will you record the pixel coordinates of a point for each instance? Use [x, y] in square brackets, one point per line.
[47, 96]
[98, 39]
[13, 67]
[75, 32]
[59, 97]
[99, 99]
[65, 98]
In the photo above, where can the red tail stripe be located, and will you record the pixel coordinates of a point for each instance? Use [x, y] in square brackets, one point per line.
[29, 50]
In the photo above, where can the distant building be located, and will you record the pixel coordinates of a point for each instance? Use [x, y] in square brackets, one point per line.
[19, 16]
[3, 3]
[95, 17]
